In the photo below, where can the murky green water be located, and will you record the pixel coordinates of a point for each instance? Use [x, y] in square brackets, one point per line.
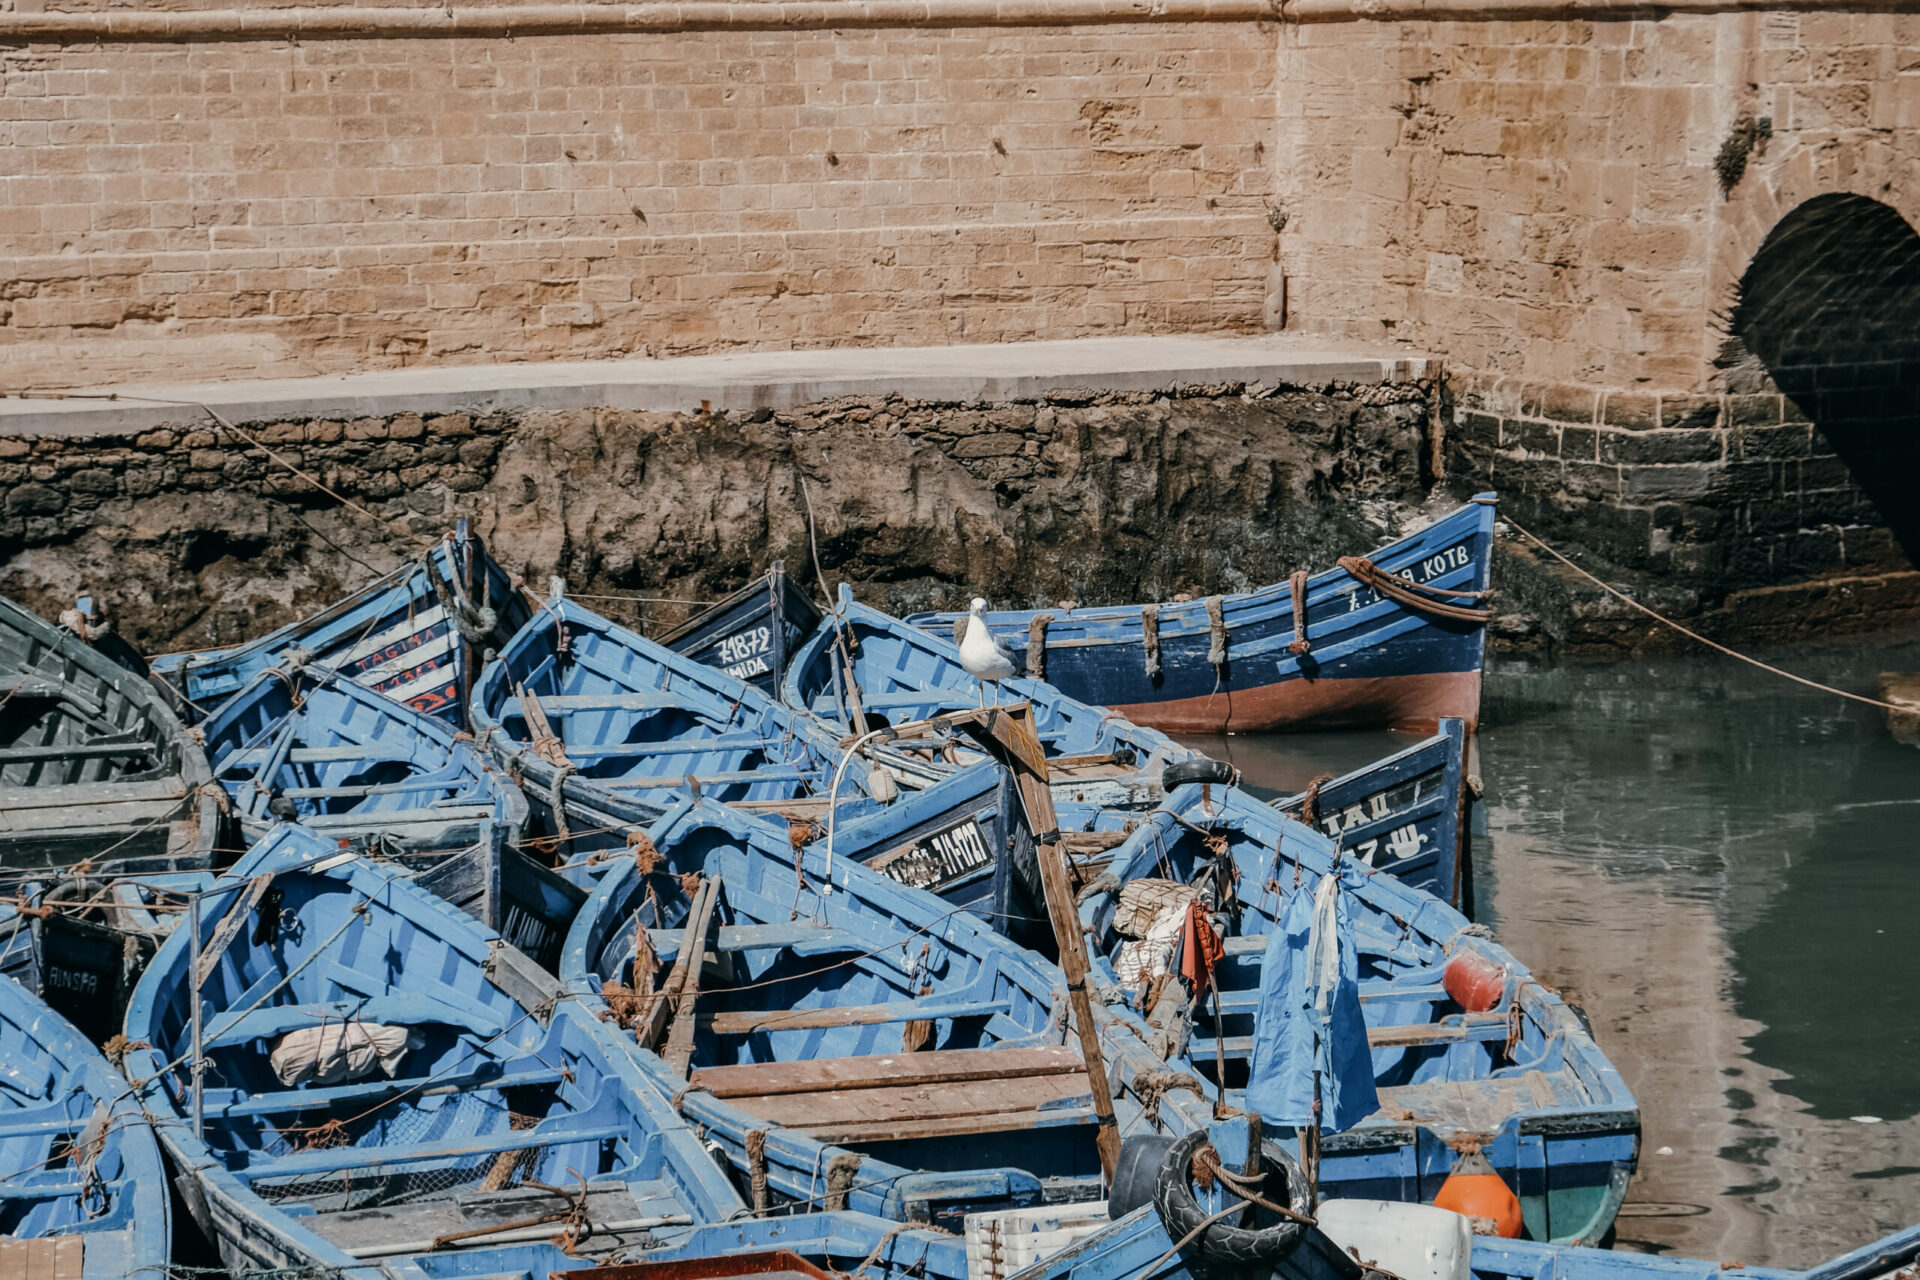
[1723, 869]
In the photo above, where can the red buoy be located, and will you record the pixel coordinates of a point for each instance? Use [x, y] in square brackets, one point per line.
[1474, 982]
[1474, 1190]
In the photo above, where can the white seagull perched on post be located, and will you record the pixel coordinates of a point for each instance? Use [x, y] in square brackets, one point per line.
[983, 657]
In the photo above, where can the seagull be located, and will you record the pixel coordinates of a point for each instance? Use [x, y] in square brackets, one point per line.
[983, 657]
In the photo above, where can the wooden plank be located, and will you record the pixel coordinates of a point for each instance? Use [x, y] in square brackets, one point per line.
[679, 1050]
[69, 1257]
[904, 1130]
[766, 1079]
[943, 1101]
[733, 1023]
[1008, 734]
[649, 1032]
[229, 929]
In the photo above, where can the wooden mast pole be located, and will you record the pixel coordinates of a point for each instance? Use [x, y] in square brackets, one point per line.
[1008, 735]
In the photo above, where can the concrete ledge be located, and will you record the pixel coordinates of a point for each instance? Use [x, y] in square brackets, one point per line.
[350, 22]
[736, 382]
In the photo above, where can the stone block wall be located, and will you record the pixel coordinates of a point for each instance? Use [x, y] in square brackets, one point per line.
[194, 536]
[1718, 493]
[237, 208]
[1548, 201]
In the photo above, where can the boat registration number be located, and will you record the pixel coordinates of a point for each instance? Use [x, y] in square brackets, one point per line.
[942, 859]
[1458, 556]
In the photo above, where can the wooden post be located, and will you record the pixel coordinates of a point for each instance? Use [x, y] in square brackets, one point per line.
[1008, 735]
[683, 984]
[199, 1033]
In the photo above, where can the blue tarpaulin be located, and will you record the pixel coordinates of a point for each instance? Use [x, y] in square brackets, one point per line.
[1309, 1017]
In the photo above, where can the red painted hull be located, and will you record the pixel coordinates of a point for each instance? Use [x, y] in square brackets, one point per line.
[1415, 703]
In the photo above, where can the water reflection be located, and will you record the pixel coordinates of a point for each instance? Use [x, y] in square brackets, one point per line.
[1719, 866]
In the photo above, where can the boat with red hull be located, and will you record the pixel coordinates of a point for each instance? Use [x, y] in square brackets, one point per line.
[1395, 639]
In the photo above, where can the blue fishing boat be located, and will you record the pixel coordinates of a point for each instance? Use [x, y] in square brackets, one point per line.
[847, 1041]
[1147, 1242]
[1393, 639]
[374, 1084]
[864, 672]
[417, 635]
[1467, 1049]
[1409, 813]
[350, 765]
[814, 1246]
[749, 634]
[579, 708]
[83, 1195]
[94, 767]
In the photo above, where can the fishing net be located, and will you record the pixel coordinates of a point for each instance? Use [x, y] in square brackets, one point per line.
[391, 1177]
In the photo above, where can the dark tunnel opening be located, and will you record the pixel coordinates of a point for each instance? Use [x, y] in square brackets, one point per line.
[1830, 305]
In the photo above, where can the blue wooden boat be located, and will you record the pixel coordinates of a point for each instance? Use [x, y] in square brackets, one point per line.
[486, 1123]
[1141, 1245]
[1393, 639]
[814, 1246]
[868, 1046]
[579, 708]
[83, 1195]
[863, 671]
[94, 767]
[417, 635]
[1467, 1047]
[1409, 813]
[749, 634]
[351, 765]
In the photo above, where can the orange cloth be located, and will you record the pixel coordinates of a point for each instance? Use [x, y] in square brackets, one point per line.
[1200, 948]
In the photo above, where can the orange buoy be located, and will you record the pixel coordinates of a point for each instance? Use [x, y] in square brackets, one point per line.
[1474, 1190]
[1474, 982]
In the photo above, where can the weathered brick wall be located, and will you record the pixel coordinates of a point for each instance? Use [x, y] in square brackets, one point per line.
[236, 208]
[1542, 200]
[1568, 212]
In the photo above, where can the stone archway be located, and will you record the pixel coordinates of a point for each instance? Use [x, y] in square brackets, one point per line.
[1830, 308]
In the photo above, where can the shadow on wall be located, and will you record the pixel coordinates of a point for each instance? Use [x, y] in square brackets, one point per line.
[1830, 306]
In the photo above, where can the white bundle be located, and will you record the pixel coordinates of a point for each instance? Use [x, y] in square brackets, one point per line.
[1150, 913]
[339, 1052]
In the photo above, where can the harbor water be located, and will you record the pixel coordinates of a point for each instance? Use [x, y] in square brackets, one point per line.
[1721, 867]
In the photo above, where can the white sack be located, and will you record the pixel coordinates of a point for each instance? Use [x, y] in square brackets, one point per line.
[339, 1052]
[1151, 914]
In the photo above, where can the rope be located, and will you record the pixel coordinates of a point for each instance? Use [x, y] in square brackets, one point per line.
[1037, 646]
[840, 1171]
[1150, 638]
[1151, 1086]
[1665, 621]
[562, 836]
[1217, 631]
[878, 1245]
[1310, 807]
[959, 630]
[757, 1167]
[1297, 587]
[1417, 596]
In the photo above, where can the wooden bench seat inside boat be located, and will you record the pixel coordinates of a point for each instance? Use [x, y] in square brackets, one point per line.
[408, 1010]
[920, 1009]
[43, 1258]
[488, 1219]
[1470, 1030]
[943, 1093]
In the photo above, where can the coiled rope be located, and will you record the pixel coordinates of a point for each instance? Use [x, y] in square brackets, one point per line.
[1417, 596]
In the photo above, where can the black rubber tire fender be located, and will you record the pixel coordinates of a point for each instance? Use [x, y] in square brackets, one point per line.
[1221, 1244]
[1198, 769]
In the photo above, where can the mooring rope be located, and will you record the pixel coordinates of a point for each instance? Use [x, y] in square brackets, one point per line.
[1662, 619]
[1037, 645]
[1415, 595]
